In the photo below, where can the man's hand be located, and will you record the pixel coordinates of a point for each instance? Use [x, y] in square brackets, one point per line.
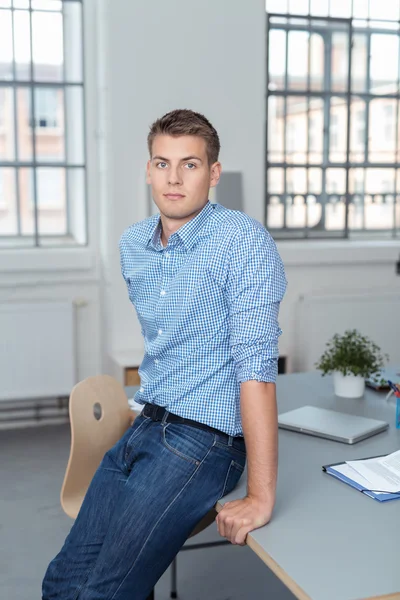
[239, 517]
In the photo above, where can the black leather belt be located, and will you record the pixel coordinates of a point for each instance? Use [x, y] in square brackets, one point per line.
[156, 413]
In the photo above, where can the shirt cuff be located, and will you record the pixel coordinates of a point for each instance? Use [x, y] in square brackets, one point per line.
[257, 368]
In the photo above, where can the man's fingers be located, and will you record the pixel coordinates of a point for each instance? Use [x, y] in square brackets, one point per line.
[241, 535]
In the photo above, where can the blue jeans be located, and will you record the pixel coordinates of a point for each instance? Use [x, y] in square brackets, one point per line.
[147, 496]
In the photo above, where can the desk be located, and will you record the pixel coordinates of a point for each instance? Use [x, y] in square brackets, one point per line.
[326, 541]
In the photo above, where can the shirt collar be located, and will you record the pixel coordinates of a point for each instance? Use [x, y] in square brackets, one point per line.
[187, 233]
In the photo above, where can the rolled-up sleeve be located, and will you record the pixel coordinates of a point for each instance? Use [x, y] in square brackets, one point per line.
[256, 284]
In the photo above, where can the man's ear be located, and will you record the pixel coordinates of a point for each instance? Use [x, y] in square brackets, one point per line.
[148, 176]
[215, 174]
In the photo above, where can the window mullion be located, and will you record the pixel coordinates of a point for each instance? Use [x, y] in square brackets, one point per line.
[33, 115]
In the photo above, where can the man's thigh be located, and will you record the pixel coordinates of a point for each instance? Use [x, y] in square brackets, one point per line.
[176, 475]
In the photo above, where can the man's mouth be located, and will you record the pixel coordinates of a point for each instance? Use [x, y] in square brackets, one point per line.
[174, 196]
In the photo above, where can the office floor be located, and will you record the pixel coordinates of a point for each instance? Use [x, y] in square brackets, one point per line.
[33, 527]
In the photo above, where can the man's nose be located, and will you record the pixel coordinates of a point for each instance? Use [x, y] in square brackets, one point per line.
[175, 177]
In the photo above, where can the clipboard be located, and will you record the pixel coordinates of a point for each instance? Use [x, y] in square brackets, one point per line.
[330, 470]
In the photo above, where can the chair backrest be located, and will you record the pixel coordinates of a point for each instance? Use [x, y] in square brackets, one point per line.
[91, 437]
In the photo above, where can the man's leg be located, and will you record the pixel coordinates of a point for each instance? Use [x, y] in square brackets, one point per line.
[177, 475]
[69, 570]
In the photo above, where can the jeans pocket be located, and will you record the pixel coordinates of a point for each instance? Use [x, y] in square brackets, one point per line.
[188, 442]
[233, 475]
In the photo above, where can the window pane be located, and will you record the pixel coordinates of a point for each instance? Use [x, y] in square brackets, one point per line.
[319, 8]
[7, 140]
[22, 41]
[73, 42]
[340, 8]
[275, 181]
[6, 45]
[316, 62]
[8, 202]
[373, 207]
[316, 130]
[384, 72]
[335, 181]
[340, 61]
[358, 138]
[276, 59]
[382, 130]
[296, 129]
[360, 9]
[76, 209]
[298, 59]
[277, 6]
[5, 3]
[47, 4]
[25, 143]
[26, 188]
[52, 213]
[359, 63]
[275, 213]
[338, 130]
[315, 181]
[384, 10]
[298, 7]
[47, 46]
[75, 144]
[275, 128]
[296, 181]
[21, 3]
[49, 124]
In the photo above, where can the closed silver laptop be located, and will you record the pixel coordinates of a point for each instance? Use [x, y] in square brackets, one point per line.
[330, 424]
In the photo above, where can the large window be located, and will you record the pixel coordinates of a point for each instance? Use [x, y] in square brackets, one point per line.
[333, 151]
[42, 145]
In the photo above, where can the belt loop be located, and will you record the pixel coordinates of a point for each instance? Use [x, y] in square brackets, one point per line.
[165, 417]
[230, 440]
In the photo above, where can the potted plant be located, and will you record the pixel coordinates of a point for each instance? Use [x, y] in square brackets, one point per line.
[351, 358]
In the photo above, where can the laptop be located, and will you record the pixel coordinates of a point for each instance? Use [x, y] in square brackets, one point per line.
[330, 424]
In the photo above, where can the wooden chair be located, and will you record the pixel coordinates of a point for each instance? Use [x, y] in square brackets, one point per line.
[99, 416]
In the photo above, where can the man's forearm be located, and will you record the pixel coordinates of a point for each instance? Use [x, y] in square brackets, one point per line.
[260, 429]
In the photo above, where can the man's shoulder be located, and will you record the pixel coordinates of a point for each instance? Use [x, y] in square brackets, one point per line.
[236, 223]
[140, 232]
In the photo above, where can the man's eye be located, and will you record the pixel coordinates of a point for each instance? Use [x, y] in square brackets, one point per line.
[190, 166]
[161, 165]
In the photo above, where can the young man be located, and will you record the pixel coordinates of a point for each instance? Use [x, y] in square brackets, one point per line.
[206, 283]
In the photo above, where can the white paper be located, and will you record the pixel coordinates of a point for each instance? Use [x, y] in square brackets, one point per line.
[352, 474]
[381, 473]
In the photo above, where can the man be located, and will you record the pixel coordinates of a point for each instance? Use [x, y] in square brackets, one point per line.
[206, 283]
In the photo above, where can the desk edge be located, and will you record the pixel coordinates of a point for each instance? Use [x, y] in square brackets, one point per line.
[275, 568]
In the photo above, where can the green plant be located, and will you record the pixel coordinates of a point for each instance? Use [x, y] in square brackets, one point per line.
[352, 354]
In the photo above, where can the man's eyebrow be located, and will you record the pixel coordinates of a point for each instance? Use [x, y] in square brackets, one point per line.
[182, 159]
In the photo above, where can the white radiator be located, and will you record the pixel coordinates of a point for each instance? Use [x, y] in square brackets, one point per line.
[37, 350]
[319, 317]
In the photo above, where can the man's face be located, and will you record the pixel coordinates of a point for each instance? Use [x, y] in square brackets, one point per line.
[180, 176]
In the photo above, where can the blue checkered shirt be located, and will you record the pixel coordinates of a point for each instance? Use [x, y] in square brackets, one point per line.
[208, 306]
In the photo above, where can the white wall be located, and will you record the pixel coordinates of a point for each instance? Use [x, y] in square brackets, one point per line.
[208, 56]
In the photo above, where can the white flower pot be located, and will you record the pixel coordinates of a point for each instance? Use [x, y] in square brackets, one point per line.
[348, 386]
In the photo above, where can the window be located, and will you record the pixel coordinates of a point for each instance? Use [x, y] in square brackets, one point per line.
[329, 80]
[42, 143]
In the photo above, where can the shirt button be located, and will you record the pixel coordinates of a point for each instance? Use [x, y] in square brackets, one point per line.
[167, 255]
[159, 331]
[156, 361]
[141, 389]
[163, 292]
